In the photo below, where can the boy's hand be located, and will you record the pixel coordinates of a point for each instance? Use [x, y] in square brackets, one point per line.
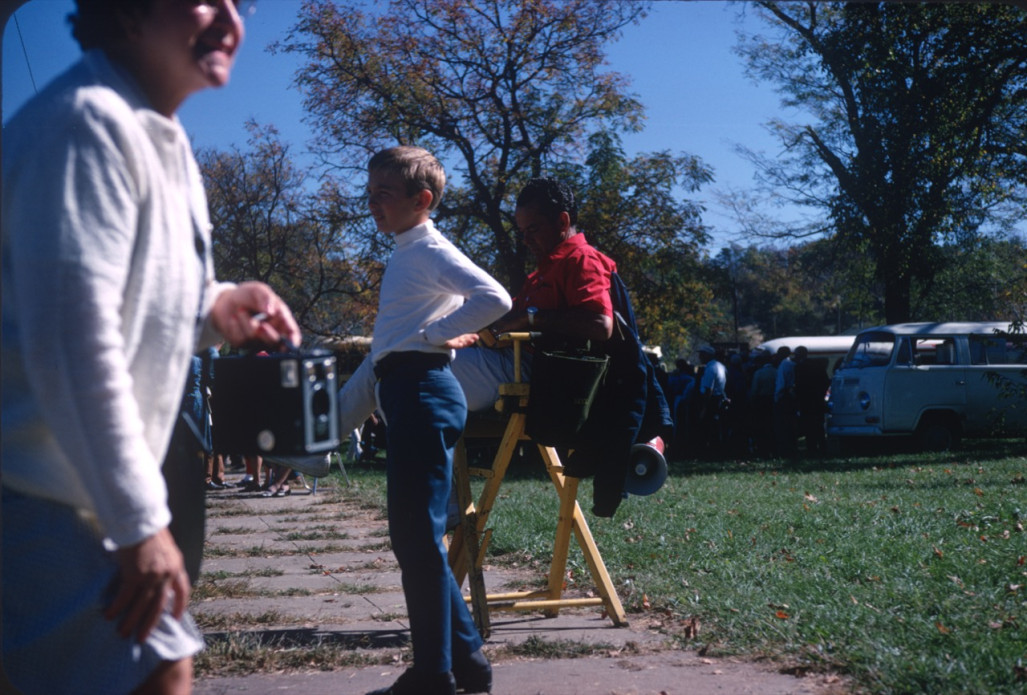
[461, 341]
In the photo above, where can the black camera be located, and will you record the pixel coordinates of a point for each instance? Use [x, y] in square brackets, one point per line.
[280, 404]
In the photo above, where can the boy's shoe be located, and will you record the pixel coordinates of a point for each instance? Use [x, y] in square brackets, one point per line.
[473, 674]
[413, 683]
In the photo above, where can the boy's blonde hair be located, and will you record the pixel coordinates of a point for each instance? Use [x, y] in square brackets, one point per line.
[417, 166]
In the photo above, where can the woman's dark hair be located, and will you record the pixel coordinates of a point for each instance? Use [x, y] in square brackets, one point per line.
[97, 23]
[551, 197]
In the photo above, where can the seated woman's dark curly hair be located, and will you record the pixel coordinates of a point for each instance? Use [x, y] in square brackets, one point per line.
[97, 23]
[551, 196]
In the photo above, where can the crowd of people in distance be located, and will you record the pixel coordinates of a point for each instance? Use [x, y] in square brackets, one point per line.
[748, 403]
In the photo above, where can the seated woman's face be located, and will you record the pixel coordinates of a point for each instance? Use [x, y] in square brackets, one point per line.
[183, 46]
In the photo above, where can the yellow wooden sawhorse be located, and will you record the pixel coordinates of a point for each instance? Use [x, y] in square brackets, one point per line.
[470, 538]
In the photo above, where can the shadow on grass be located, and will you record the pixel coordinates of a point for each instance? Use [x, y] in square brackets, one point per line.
[859, 455]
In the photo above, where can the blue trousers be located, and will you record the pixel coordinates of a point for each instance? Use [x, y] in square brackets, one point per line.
[425, 412]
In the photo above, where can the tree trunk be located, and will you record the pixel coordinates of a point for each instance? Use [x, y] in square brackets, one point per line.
[896, 298]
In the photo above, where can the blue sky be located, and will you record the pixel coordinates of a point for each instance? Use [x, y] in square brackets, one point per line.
[679, 59]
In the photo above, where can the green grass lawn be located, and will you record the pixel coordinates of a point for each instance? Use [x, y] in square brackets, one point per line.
[907, 572]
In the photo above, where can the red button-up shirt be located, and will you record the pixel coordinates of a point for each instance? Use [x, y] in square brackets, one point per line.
[574, 275]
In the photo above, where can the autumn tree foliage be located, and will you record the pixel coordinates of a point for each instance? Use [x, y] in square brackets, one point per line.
[500, 91]
[817, 287]
[635, 211]
[267, 225]
[914, 119]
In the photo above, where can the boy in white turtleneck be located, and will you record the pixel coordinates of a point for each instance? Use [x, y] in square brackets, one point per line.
[433, 300]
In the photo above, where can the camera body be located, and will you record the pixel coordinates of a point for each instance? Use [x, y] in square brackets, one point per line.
[281, 404]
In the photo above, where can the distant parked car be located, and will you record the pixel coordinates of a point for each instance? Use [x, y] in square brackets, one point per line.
[938, 382]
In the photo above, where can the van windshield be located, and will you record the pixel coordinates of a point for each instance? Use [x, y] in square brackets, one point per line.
[872, 349]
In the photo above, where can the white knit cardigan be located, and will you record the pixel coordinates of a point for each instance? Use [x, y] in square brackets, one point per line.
[107, 283]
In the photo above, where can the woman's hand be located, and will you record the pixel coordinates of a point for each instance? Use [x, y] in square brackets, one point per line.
[252, 314]
[152, 573]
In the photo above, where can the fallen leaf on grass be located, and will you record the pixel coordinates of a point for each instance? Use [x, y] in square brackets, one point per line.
[781, 615]
[942, 629]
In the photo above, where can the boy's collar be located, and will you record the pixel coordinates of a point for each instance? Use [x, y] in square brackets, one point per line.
[418, 231]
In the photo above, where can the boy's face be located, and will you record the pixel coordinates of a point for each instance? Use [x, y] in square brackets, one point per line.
[392, 209]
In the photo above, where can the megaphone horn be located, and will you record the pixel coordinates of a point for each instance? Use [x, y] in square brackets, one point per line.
[647, 468]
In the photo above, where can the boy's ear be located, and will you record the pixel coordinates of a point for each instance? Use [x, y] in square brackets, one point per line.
[424, 199]
[564, 221]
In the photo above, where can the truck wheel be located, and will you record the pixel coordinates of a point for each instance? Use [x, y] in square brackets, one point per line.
[937, 435]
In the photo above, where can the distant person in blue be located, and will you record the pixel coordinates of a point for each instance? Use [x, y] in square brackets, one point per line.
[761, 404]
[433, 301]
[712, 398]
[680, 387]
[183, 471]
[108, 289]
[214, 467]
[786, 407]
[811, 385]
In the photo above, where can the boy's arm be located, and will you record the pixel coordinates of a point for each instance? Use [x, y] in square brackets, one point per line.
[485, 301]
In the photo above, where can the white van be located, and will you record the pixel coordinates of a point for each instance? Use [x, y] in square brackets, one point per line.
[936, 381]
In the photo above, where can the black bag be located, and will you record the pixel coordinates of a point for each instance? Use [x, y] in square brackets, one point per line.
[563, 385]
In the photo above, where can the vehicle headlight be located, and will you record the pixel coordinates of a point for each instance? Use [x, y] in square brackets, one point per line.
[864, 400]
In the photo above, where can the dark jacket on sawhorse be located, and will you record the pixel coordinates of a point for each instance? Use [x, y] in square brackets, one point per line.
[629, 408]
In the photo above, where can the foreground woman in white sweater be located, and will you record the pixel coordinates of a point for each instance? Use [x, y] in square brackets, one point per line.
[108, 288]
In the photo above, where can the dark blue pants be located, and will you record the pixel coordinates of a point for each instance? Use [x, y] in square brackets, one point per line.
[425, 412]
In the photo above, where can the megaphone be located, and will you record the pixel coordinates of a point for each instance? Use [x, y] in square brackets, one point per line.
[647, 468]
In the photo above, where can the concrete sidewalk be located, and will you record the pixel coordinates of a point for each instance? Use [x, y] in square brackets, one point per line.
[310, 570]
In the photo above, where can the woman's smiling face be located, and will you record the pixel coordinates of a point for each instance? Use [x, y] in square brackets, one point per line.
[180, 47]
